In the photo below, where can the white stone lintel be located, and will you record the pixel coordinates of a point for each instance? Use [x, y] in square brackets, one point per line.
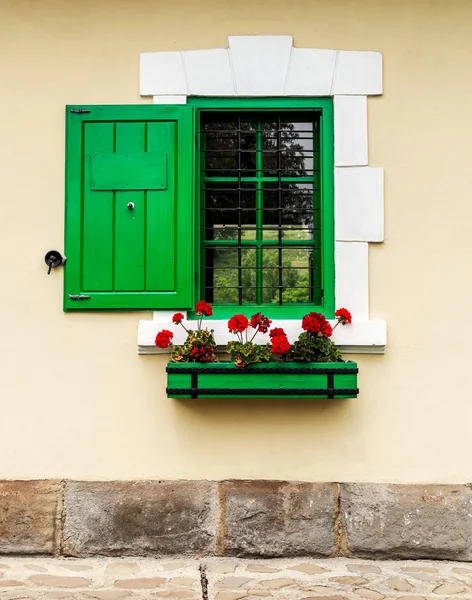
[261, 65]
[209, 73]
[311, 72]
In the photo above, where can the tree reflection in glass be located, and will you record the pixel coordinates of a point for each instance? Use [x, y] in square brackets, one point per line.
[260, 211]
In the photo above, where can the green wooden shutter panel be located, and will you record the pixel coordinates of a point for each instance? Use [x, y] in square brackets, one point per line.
[141, 171]
[120, 157]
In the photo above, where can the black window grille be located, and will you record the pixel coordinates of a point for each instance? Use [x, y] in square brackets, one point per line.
[260, 212]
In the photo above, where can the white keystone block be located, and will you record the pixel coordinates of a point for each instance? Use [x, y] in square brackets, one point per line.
[260, 63]
[350, 131]
[352, 278]
[311, 72]
[358, 73]
[162, 73]
[359, 204]
[209, 73]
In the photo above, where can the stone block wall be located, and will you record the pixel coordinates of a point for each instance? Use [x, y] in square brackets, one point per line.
[235, 518]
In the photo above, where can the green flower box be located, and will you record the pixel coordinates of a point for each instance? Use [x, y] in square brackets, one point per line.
[262, 380]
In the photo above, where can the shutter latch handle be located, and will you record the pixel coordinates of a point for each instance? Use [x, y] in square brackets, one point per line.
[54, 259]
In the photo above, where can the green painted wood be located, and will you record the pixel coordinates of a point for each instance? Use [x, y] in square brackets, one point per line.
[258, 103]
[263, 381]
[140, 171]
[268, 366]
[94, 227]
[129, 246]
[140, 259]
[159, 220]
[327, 209]
[324, 199]
[311, 380]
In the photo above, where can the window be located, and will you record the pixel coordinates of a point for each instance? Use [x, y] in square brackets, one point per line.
[265, 206]
[268, 73]
[242, 217]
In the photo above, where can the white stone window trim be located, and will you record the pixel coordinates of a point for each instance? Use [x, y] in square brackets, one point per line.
[269, 66]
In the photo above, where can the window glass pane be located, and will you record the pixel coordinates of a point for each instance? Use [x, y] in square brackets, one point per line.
[288, 210]
[288, 275]
[270, 276]
[229, 146]
[227, 210]
[230, 275]
[260, 222]
[288, 149]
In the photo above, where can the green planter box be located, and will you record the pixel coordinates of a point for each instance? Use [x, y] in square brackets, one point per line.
[264, 380]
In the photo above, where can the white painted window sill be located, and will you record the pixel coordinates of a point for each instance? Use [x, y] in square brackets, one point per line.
[361, 337]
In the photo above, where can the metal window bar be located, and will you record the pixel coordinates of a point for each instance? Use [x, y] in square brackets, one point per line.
[259, 214]
[279, 206]
[240, 271]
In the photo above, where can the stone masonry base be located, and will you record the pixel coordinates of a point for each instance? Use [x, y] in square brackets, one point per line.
[236, 518]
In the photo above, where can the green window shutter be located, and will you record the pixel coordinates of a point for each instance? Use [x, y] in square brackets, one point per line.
[129, 208]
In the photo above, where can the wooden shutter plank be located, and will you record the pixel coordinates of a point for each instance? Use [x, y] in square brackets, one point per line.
[130, 224]
[98, 208]
[161, 210]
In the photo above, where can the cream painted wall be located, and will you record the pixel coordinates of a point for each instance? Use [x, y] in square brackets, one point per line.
[78, 402]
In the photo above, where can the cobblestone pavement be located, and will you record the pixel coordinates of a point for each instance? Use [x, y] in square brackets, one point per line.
[232, 579]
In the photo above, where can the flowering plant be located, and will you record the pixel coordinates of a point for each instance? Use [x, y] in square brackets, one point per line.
[313, 344]
[199, 346]
[244, 351]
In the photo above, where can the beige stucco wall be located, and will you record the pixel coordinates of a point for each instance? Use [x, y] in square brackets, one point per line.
[76, 399]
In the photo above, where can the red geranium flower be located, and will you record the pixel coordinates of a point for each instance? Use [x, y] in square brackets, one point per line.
[326, 329]
[280, 344]
[258, 321]
[163, 338]
[203, 308]
[178, 318]
[238, 323]
[276, 331]
[316, 324]
[343, 316]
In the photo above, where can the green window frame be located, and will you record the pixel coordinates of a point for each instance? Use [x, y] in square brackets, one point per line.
[322, 109]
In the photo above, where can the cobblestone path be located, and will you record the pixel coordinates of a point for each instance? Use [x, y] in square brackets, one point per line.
[232, 579]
